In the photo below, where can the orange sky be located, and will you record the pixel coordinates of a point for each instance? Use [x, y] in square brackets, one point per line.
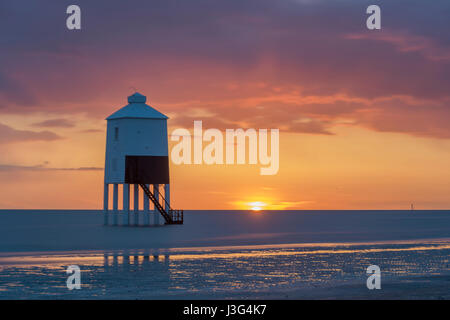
[354, 169]
[363, 115]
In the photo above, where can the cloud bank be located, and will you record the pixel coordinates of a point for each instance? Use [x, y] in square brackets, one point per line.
[301, 66]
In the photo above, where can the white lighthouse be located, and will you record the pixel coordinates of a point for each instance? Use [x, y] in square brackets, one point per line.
[137, 155]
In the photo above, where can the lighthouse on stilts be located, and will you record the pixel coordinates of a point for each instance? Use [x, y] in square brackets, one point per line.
[137, 160]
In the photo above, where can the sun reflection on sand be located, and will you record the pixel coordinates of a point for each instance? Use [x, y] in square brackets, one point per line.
[216, 271]
[230, 252]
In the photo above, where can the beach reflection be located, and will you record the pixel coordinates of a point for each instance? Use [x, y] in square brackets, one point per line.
[215, 272]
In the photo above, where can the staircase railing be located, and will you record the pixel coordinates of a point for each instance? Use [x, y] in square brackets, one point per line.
[171, 217]
[164, 199]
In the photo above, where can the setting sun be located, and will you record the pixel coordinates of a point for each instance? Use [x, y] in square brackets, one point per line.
[257, 206]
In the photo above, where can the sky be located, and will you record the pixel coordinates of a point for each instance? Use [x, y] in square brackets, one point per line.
[363, 114]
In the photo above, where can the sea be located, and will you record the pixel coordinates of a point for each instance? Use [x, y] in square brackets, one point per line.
[227, 255]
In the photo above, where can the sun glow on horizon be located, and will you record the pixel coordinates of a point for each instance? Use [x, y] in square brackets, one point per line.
[257, 205]
[268, 204]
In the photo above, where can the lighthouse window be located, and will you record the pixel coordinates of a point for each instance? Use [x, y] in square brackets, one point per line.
[116, 134]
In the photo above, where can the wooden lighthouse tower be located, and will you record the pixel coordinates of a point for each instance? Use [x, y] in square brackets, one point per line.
[137, 156]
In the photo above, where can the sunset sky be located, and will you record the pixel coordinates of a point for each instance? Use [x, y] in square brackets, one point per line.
[364, 116]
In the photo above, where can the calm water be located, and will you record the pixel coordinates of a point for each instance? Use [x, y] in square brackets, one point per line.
[227, 255]
[31, 231]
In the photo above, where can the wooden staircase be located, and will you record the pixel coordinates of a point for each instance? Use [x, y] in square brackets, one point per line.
[172, 216]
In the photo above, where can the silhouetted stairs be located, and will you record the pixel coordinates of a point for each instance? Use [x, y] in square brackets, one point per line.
[171, 217]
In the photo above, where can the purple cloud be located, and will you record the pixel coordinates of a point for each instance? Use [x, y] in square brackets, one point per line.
[7, 167]
[203, 54]
[55, 123]
[10, 135]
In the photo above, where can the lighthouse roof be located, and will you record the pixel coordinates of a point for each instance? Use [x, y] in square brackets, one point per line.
[136, 108]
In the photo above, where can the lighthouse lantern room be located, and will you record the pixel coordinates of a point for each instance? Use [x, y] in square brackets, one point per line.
[137, 156]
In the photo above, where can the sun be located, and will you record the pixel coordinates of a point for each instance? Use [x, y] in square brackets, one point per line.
[253, 205]
[257, 205]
